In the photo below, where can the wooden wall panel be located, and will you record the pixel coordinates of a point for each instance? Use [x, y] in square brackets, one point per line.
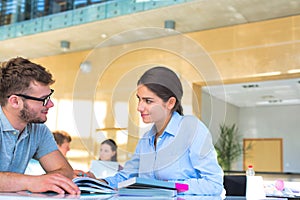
[265, 154]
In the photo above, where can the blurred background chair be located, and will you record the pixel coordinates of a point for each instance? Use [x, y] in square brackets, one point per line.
[235, 185]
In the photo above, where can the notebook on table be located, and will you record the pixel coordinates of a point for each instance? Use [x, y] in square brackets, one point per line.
[103, 169]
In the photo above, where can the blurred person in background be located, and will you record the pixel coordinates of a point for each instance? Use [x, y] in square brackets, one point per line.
[108, 151]
[63, 140]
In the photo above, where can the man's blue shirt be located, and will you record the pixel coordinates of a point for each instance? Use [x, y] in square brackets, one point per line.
[16, 149]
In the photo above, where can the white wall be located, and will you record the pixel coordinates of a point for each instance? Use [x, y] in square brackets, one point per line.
[215, 112]
[258, 122]
[275, 122]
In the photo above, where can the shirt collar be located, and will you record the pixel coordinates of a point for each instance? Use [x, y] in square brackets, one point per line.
[171, 128]
[5, 123]
[7, 127]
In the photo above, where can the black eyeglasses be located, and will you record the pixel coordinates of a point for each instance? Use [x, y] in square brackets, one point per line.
[44, 100]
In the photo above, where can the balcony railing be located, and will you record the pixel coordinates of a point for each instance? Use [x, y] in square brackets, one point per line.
[24, 17]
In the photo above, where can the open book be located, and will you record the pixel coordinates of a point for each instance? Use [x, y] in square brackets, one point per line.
[152, 187]
[90, 185]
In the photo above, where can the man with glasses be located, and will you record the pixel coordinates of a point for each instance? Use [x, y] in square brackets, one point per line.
[25, 100]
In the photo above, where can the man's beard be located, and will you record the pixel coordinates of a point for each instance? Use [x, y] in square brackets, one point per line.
[29, 116]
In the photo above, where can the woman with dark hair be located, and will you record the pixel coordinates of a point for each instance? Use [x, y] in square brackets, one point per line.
[108, 151]
[177, 148]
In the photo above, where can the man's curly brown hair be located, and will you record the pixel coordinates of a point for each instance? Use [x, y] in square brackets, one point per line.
[17, 74]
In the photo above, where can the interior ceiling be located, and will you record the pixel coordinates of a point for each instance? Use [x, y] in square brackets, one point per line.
[189, 17]
[264, 93]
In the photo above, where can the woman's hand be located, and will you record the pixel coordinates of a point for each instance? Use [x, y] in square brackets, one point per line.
[80, 173]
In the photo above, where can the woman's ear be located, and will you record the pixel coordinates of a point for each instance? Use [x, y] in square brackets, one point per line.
[171, 103]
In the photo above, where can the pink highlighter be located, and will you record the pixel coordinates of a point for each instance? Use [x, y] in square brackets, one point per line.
[279, 185]
[181, 187]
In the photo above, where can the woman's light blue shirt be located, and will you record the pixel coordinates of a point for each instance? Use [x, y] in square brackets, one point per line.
[184, 153]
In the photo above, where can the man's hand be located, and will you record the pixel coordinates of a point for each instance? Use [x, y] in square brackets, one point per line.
[52, 182]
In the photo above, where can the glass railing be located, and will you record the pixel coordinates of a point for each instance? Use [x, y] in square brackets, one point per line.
[25, 17]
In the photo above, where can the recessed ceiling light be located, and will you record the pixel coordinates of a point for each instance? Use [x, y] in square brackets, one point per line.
[170, 24]
[292, 71]
[250, 86]
[268, 97]
[268, 74]
[275, 101]
[64, 45]
[103, 35]
[86, 67]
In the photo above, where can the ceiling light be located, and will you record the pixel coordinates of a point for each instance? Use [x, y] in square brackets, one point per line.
[275, 101]
[268, 97]
[269, 74]
[292, 71]
[86, 67]
[170, 24]
[103, 35]
[250, 86]
[64, 45]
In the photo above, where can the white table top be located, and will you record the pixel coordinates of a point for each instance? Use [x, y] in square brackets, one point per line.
[50, 196]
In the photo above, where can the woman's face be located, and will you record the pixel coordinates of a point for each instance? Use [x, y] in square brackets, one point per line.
[152, 107]
[106, 153]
